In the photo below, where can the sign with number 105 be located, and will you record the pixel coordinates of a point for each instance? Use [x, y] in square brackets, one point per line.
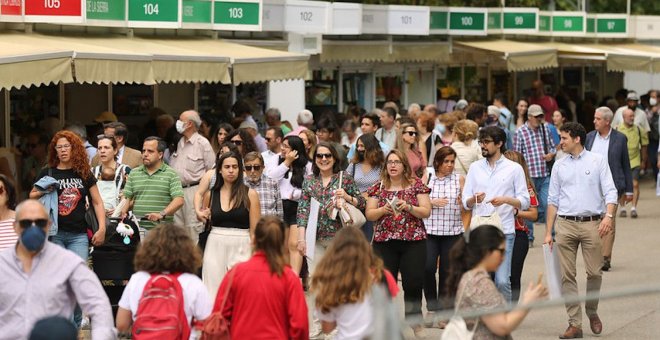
[53, 7]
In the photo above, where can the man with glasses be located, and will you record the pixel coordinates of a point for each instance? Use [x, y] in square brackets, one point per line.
[40, 279]
[274, 136]
[193, 157]
[534, 142]
[496, 186]
[267, 188]
[583, 196]
[125, 155]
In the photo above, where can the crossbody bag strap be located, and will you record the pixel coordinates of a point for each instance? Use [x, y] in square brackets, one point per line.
[224, 298]
[545, 146]
[458, 304]
[461, 164]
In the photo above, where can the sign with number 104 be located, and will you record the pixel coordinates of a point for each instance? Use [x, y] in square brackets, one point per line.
[154, 13]
[243, 15]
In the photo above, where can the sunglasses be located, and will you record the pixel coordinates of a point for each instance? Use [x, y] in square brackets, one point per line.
[411, 133]
[252, 167]
[237, 142]
[26, 223]
[323, 155]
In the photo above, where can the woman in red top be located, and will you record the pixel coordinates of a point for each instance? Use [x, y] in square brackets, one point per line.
[521, 244]
[408, 143]
[265, 299]
[397, 204]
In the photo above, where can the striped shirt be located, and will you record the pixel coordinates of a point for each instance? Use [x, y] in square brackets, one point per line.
[8, 236]
[363, 180]
[152, 193]
[445, 221]
[531, 144]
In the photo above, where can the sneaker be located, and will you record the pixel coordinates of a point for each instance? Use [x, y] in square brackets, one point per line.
[85, 324]
[419, 331]
[633, 213]
[623, 213]
[606, 266]
[531, 243]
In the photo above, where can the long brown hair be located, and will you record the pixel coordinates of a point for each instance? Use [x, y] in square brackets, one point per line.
[400, 144]
[373, 154]
[347, 271]
[520, 159]
[239, 191]
[407, 170]
[79, 160]
[168, 248]
[269, 238]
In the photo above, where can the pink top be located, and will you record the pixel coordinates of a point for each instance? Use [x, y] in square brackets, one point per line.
[8, 237]
[416, 162]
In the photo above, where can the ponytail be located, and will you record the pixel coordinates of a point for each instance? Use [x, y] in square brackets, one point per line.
[269, 238]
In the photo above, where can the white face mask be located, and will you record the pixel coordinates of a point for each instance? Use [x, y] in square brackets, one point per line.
[653, 101]
[179, 126]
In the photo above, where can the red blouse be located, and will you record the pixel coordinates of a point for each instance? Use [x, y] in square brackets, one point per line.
[533, 202]
[404, 226]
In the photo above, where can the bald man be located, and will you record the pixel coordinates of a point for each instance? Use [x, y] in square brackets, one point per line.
[40, 279]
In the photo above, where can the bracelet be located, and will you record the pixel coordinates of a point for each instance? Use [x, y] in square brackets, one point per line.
[410, 207]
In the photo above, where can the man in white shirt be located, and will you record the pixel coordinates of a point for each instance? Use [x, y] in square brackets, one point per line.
[499, 187]
[273, 138]
[369, 124]
[632, 101]
[387, 131]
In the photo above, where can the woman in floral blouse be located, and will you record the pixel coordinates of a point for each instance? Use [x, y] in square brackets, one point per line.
[398, 203]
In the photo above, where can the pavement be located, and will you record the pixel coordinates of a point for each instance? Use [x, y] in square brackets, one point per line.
[635, 264]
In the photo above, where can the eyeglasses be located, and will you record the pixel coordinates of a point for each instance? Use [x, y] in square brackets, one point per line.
[26, 223]
[237, 142]
[395, 162]
[501, 250]
[252, 167]
[411, 133]
[323, 155]
[485, 141]
[62, 147]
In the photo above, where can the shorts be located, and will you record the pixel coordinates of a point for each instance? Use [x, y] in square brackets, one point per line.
[290, 211]
[635, 173]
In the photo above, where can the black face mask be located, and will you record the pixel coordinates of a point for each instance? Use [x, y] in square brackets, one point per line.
[633, 107]
[360, 155]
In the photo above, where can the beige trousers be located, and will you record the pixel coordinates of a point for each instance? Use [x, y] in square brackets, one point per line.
[224, 248]
[186, 217]
[608, 239]
[569, 236]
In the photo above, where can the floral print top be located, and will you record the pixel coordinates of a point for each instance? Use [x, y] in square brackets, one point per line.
[404, 226]
[313, 187]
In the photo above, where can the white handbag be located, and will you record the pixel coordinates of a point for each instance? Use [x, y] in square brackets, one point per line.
[350, 215]
[477, 220]
[457, 329]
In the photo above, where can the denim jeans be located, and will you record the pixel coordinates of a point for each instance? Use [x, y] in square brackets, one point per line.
[79, 244]
[503, 273]
[541, 184]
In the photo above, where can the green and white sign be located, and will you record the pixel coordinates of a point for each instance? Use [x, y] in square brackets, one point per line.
[244, 15]
[438, 20]
[307, 17]
[569, 23]
[494, 20]
[607, 25]
[520, 20]
[105, 12]
[197, 13]
[154, 13]
[467, 21]
[545, 23]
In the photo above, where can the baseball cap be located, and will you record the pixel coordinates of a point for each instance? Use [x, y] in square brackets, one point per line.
[493, 110]
[534, 110]
[461, 104]
[106, 117]
[246, 124]
[632, 96]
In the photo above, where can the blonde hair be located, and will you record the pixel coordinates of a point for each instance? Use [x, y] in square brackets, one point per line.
[400, 144]
[466, 130]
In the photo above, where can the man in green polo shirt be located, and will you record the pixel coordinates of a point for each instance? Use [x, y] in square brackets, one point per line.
[154, 188]
[638, 141]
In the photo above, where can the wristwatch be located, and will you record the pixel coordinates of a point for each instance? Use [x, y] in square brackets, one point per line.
[609, 215]
[162, 214]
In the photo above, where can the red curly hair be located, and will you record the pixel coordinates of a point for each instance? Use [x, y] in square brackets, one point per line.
[79, 160]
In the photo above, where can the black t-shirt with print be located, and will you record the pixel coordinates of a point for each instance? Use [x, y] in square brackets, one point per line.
[71, 198]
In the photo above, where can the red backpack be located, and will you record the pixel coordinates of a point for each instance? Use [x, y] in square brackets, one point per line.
[160, 313]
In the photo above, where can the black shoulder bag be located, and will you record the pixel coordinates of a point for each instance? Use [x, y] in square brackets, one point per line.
[546, 151]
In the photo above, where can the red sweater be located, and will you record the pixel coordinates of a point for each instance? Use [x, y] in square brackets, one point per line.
[261, 305]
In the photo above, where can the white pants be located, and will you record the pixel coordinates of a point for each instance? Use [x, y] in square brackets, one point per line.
[224, 248]
[186, 217]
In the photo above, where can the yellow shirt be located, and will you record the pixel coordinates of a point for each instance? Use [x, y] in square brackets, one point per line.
[636, 139]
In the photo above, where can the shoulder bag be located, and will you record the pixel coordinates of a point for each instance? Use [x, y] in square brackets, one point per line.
[546, 150]
[216, 327]
[349, 214]
[457, 329]
[477, 220]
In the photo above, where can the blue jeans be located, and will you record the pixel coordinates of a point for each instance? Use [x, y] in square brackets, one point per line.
[503, 273]
[79, 244]
[541, 184]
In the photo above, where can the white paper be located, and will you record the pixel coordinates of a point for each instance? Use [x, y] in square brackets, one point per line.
[552, 271]
[312, 225]
[657, 185]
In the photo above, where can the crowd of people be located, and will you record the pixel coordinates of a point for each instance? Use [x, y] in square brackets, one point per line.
[227, 210]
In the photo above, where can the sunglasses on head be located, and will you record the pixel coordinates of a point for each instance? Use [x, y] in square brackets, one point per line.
[252, 167]
[324, 155]
[237, 142]
[26, 223]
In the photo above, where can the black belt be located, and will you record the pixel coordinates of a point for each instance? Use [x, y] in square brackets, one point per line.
[581, 218]
[190, 185]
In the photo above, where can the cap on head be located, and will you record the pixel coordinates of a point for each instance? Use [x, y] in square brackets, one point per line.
[493, 110]
[534, 110]
[632, 96]
[461, 104]
[248, 124]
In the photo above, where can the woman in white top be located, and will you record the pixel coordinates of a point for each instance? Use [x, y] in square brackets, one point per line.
[294, 166]
[110, 188]
[168, 249]
[8, 236]
[465, 145]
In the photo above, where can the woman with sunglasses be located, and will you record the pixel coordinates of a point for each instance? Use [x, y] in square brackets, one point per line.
[243, 141]
[471, 260]
[325, 187]
[397, 204]
[8, 236]
[234, 211]
[290, 173]
[408, 144]
[110, 188]
[68, 165]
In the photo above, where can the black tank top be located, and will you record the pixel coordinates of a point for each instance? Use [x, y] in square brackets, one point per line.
[238, 217]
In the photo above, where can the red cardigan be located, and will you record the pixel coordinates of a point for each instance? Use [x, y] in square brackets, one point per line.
[261, 305]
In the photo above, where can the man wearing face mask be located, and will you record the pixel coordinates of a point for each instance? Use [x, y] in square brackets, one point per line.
[40, 279]
[632, 102]
[654, 136]
[194, 156]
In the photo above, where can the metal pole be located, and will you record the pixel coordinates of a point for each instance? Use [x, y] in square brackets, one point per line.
[489, 79]
[7, 119]
[110, 98]
[434, 95]
[584, 72]
[156, 94]
[62, 103]
[628, 7]
[340, 89]
[196, 97]
[404, 86]
[462, 81]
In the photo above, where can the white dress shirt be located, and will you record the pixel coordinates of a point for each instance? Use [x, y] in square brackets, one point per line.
[387, 137]
[507, 178]
[601, 145]
[282, 174]
[582, 185]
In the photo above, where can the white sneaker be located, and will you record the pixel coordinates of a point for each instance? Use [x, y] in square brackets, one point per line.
[84, 324]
